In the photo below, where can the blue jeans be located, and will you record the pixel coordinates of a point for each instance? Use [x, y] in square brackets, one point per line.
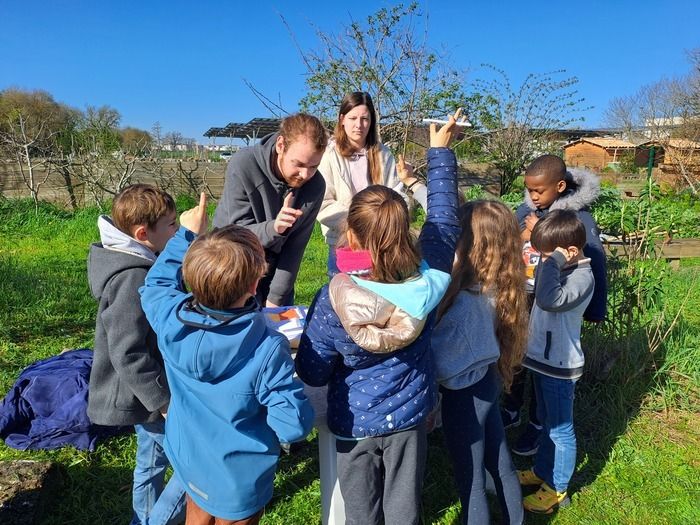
[153, 504]
[476, 441]
[556, 457]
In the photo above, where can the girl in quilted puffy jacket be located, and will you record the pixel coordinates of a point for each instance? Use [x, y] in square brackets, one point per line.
[478, 341]
[368, 337]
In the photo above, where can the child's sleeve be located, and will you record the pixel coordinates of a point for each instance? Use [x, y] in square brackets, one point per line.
[594, 249]
[316, 358]
[438, 236]
[127, 329]
[553, 296]
[289, 412]
[162, 290]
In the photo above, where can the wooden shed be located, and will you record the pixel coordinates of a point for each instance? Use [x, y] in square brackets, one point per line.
[598, 152]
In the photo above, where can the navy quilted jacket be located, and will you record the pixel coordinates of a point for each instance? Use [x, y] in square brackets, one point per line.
[370, 393]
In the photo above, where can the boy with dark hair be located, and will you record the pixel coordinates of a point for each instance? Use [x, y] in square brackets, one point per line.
[550, 186]
[234, 397]
[563, 290]
[127, 381]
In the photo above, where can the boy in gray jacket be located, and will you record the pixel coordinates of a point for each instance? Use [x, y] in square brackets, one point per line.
[563, 289]
[127, 381]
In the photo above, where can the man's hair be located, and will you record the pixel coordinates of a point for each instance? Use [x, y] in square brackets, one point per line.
[221, 266]
[378, 216]
[559, 228]
[140, 204]
[549, 166]
[301, 125]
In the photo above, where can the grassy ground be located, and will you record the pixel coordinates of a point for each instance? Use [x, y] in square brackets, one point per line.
[637, 423]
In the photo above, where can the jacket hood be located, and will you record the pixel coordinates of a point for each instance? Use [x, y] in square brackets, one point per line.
[116, 253]
[263, 157]
[113, 238]
[211, 356]
[371, 320]
[582, 189]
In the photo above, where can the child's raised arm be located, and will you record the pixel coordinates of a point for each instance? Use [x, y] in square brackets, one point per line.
[551, 293]
[438, 237]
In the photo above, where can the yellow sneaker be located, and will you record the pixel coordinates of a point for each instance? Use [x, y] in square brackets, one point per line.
[545, 500]
[528, 477]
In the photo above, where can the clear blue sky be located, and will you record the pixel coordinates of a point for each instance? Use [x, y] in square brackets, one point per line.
[183, 63]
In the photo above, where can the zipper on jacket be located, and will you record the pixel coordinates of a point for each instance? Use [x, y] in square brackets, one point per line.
[548, 345]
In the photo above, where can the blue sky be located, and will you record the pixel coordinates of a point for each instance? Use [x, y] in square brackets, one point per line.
[183, 63]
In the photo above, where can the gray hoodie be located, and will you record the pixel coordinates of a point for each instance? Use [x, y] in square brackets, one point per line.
[562, 293]
[253, 196]
[127, 381]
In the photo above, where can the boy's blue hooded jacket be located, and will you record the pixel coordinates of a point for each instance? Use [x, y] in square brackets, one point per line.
[370, 342]
[233, 395]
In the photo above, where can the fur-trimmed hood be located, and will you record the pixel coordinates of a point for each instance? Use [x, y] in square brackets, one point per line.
[582, 189]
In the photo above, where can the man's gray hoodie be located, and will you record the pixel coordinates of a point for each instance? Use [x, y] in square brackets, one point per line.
[253, 196]
[127, 381]
[582, 189]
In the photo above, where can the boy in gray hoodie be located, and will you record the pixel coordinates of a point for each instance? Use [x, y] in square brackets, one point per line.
[127, 381]
[550, 186]
[563, 289]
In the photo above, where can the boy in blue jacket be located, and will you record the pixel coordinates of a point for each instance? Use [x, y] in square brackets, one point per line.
[233, 395]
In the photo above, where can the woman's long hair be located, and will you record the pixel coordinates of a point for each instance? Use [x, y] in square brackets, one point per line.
[378, 217]
[489, 255]
[351, 101]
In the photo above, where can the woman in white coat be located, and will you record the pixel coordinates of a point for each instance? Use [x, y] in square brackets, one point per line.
[353, 160]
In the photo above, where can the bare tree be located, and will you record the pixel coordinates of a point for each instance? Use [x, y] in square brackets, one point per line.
[516, 124]
[27, 142]
[388, 56]
[665, 113]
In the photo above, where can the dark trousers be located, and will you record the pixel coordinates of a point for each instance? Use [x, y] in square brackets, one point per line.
[383, 476]
[476, 441]
[515, 400]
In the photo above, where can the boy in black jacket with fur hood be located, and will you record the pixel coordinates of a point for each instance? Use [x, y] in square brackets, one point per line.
[549, 185]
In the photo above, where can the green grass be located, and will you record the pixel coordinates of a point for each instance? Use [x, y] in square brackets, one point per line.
[637, 421]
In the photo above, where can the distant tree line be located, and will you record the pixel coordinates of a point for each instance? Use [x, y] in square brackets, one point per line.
[43, 137]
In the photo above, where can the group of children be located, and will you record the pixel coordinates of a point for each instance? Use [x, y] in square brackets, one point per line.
[403, 325]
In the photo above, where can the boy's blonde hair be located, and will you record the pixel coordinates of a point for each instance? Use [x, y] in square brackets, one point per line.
[140, 204]
[378, 216]
[221, 266]
[488, 254]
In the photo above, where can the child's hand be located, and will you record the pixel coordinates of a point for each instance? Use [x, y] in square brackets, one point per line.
[441, 138]
[530, 221]
[405, 172]
[196, 220]
[568, 253]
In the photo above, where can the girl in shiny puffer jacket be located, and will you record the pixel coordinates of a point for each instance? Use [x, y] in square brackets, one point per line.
[368, 337]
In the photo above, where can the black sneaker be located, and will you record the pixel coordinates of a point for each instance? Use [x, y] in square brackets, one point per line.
[529, 441]
[511, 418]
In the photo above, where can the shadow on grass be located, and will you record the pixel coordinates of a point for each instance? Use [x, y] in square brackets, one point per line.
[619, 376]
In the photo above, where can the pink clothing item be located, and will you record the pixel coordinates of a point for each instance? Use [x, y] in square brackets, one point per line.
[356, 262]
[359, 170]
